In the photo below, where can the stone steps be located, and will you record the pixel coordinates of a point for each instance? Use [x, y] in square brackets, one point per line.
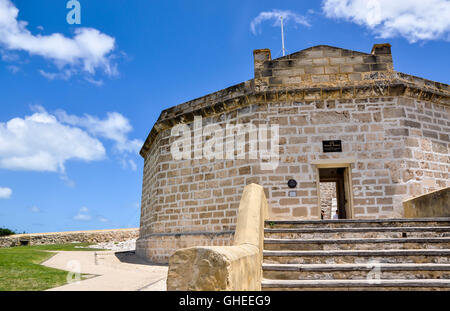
[320, 232]
[377, 254]
[355, 271]
[353, 223]
[358, 256]
[357, 244]
[394, 284]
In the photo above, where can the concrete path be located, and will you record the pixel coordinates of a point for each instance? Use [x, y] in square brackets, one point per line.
[109, 271]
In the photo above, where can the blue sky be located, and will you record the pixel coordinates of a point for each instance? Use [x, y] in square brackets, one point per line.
[77, 101]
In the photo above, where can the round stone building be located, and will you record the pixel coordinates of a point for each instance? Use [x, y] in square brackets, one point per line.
[321, 125]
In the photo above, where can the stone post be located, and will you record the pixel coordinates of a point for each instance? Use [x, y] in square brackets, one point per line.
[261, 74]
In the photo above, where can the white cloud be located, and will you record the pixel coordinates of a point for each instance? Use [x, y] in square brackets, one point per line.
[13, 69]
[82, 217]
[128, 163]
[115, 127]
[103, 219]
[45, 141]
[9, 57]
[69, 182]
[62, 75]
[414, 20]
[82, 214]
[132, 165]
[41, 143]
[5, 193]
[94, 81]
[89, 49]
[274, 15]
[35, 209]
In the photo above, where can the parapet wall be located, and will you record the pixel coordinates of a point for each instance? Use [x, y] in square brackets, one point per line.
[95, 236]
[315, 74]
[320, 64]
[236, 267]
[433, 204]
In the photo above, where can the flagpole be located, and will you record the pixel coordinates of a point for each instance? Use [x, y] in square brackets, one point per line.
[282, 37]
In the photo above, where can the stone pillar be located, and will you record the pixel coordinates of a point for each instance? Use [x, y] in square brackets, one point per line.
[384, 55]
[261, 74]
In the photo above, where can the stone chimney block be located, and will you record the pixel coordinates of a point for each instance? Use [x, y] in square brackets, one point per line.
[259, 57]
[383, 54]
[381, 49]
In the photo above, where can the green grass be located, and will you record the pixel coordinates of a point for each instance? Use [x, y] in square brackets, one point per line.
[20, 268]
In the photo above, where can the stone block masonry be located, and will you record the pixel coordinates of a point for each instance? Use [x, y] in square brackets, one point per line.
[394, 127]
[236, 267]
[432, 204]
[162, 245]
[320, 64]
[394, 162]
[94, 236]
[328, 193]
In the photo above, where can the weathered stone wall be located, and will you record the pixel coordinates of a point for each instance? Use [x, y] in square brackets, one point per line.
[372, 132]
[237, 267]
[159, 247]
[202, 195]
[190, 202]
[327, 193]
[320, 64]
[433, 204]
[426, 128]
[95, 236]
[394, 126]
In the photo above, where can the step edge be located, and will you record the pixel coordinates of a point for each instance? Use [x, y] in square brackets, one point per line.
[356, 283]
[394, 252]
[356, 229]
[343, 221]
[354, 267]
[361, 240]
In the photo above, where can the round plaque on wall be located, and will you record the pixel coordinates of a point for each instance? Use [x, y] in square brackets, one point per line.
[292, 183]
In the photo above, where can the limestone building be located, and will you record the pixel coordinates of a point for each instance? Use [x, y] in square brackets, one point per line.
[332, 116]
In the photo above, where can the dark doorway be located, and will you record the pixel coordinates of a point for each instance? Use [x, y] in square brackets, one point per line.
[24, 242]
[336, 175]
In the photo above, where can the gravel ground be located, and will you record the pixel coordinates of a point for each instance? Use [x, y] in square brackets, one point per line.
[129, 245]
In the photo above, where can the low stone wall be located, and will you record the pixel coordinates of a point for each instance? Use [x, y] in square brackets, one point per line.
[159, 247]
[433, 204]
[94, 236]
[237, 267]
